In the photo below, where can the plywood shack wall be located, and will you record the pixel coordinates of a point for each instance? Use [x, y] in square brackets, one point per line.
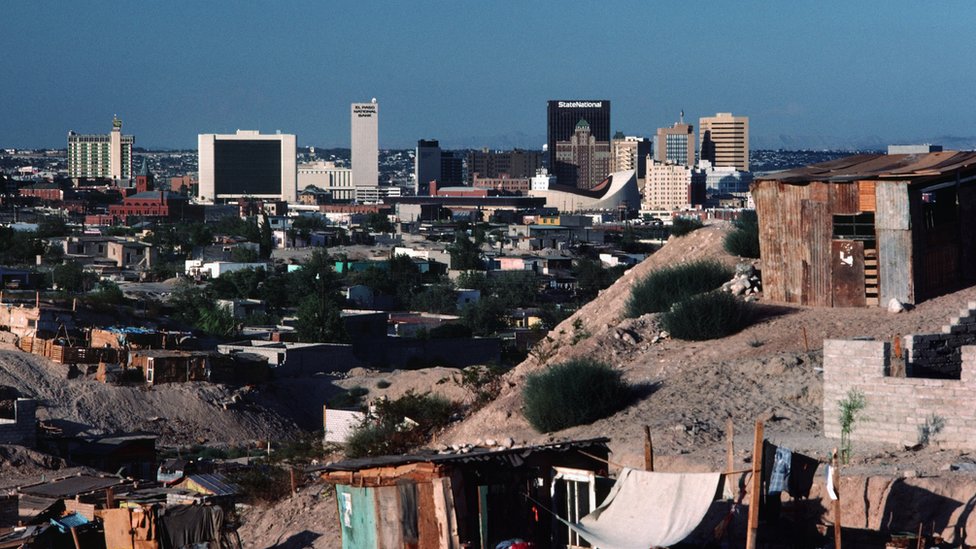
[796, 229]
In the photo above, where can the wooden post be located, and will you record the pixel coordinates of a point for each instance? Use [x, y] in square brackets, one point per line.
[74, 536]
[806, 342]
[918, 540]
[648, 450]
[291, 473]
[729, 447]
[836, 478]
[109, 498]
[754, 497]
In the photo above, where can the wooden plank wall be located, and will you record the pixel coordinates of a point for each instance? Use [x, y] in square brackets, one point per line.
[895, 255]
[446, 521]
[389, 533]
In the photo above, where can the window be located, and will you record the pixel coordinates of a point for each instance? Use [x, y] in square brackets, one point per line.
[573, 497]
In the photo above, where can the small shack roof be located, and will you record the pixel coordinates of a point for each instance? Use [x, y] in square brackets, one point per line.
[213, 484]
[878, 166]
[509, 455]
[71, 486]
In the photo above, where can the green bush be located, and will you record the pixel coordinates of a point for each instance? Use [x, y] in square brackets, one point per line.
[661, 289]
[684, 225]
[387, 433]
[707, 316]
[577, 392]
[743, 241]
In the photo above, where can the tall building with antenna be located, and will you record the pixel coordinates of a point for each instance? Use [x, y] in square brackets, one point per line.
[675, 144]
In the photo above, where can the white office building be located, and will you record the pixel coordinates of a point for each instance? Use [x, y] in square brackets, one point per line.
[365, 144]
[247, 163]
[327, 177]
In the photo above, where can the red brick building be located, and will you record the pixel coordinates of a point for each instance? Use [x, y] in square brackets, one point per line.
[160, 204]
[43, 191]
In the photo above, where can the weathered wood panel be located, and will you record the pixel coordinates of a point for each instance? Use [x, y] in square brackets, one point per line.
[892, 209]
[795, 258]
[427, 516]
[388, 529]
[847, 273]
[765, 195]
[817, 224]
[866, 199]
[895, 266]
[843, 198]
[447, 529]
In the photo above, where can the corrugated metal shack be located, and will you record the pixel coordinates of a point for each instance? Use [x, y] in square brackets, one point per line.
[474, 499]
[865, 229]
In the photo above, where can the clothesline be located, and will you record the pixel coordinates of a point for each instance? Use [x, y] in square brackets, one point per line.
[608, 462]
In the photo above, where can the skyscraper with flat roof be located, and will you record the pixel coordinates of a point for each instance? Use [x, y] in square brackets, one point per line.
[427, 165]
[724, 140]
[365, 144]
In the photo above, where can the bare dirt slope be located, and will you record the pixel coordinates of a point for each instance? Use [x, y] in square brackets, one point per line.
[181, 413]
[307, 519]
[769, 371]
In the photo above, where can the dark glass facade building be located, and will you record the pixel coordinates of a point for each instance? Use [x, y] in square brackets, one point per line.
[247, 167]
[563, 115]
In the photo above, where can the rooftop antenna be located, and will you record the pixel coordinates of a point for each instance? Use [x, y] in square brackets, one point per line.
[681, 117]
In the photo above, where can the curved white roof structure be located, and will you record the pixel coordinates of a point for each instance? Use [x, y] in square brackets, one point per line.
[616, 191]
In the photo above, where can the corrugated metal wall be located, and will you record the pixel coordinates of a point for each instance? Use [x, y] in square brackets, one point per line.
[796, 228]
[892, 223]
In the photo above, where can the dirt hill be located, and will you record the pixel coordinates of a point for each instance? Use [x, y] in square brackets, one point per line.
[770, 371]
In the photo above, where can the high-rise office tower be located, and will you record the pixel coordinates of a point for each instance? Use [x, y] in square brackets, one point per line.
[676, 145]
[247, 163]
[427, 165]
[563, 115]
[101, 156]
[452, 168]
[365, 144]
[493, 164]
[629, 153]
[584, 160]
[724, 140]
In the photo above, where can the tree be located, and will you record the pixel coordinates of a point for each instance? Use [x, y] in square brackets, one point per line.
[436, 298]
[50, 226]
[378, 223]
[465, 254]
[266, 241]
[71, 277]
[485, 317]
[319, 319]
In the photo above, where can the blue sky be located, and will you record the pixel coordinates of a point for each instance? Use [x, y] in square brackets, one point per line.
[811, 74]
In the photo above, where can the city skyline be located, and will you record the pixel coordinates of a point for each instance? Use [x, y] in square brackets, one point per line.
[809, 75]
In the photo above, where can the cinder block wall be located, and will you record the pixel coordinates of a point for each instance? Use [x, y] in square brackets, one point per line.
[896, 407]
[941, 352]
[23, 429]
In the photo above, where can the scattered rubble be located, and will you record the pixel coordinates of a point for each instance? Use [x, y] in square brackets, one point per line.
[747, 281]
